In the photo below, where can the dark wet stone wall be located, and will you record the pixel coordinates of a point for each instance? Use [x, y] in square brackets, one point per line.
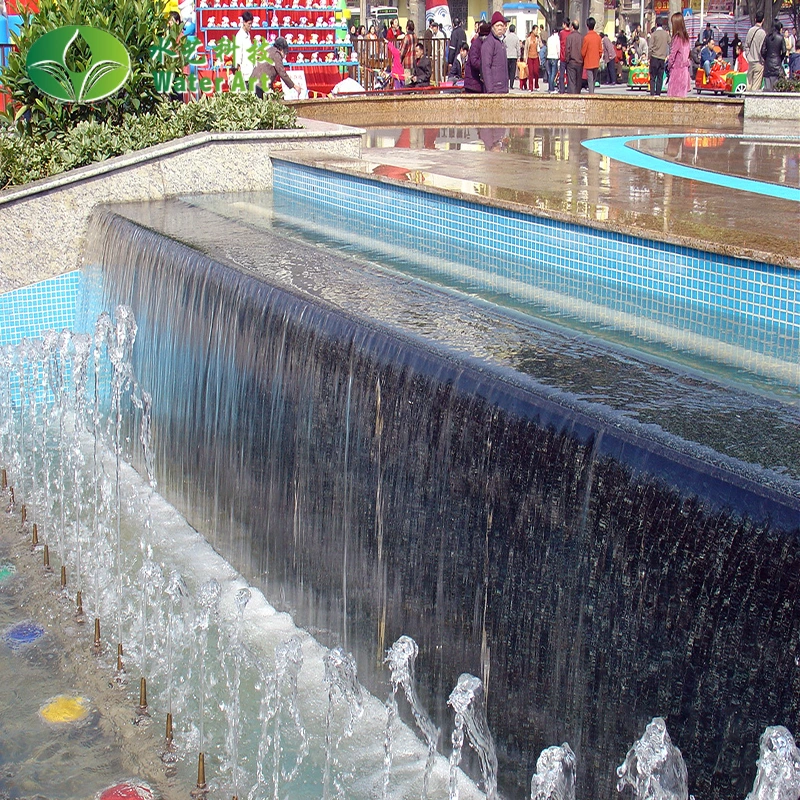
[376, 487]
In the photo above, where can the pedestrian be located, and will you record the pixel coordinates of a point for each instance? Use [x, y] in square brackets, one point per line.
[458, 36]
[530, 56]
[659, 53]
[724, 45]
[408, 50]
[591, 53]
[708, 34]
[735, 42]
[511, 41]
[473, 81]
[244, 44]
[752, 52]
[610, 57]
[422, 68]
[574, 59]
[678, 62]
[553, 57]
[457, 69]
[562, 57]
[494, 62]
[773, 52]
[273, 68]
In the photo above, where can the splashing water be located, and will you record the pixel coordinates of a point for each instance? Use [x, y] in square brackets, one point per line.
[341, 678]
[400, 659]
[554, 778]
[654, 767]
[467, 700]
[778, 776]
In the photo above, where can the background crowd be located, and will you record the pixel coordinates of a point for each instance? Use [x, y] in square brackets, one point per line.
[493, 57]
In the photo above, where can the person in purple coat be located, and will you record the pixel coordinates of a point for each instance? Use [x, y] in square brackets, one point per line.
[494, 61]
[472, 69]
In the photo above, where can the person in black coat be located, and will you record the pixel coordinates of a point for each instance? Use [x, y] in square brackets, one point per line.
[422, 69]
[458, 36]
[773, 52]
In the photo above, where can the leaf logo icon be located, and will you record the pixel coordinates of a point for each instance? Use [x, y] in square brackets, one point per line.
[108, 69]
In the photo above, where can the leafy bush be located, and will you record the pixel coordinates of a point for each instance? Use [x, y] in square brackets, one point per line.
[137, 23]
[788, 85]
[25, 157]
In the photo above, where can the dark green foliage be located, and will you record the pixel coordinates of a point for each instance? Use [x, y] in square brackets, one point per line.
[136, 23]
[788, 85]
[25, 157]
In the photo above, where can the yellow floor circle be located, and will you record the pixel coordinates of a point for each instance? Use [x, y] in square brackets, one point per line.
[64, 708]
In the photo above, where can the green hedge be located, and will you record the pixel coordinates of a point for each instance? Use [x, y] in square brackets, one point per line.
[25, 157]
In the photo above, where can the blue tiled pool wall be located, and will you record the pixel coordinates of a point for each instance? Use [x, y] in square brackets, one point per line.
[737, 301]
[28, 312]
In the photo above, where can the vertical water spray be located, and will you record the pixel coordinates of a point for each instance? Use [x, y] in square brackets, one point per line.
[176, 591]
[467, 700]
[654, 768]
[341, 678]
[401, 658]
[554, 778]
[778, 775]
[207, 613]
[279, 698]
[242, 598]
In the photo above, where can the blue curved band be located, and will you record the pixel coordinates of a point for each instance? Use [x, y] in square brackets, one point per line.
[616, 147]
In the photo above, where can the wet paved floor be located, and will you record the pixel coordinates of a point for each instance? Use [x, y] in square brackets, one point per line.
[548, 169]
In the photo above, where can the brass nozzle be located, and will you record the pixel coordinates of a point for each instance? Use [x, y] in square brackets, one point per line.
[63, 577]
[46, 559]
[97, 634]
[24, 512]
[201, 771]
[168, 734]
[120, 666]
[13, 499]
[79, 604]
[143, 694]
[35, 536]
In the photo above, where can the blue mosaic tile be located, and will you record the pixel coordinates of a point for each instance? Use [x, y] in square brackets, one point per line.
[30, 311]
[734, 301]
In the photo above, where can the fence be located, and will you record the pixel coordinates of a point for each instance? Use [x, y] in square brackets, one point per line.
[373, 55]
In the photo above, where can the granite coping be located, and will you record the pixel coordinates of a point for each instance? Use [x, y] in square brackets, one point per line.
[778, 106]
[363, 167]
[524, 109]
[311, 129]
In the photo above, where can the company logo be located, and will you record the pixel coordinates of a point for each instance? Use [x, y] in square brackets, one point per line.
[78, 64]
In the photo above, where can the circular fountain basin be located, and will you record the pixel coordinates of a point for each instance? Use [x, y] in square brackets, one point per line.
[64, 709]
[23, 633]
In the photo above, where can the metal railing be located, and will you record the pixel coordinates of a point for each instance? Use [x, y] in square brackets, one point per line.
[373, 56]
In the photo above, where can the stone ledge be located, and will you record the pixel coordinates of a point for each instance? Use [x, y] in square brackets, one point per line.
[520, 109]
[44, 223]
[783, 106]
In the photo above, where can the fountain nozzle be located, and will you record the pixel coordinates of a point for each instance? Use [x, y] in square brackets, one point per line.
[142, 709]
[12, 500]
[3, 479]
[120, 665]
[35, 537]
[24, 513]
[46, 559]
[168, 733]
[96, 635]
[79, 615]
[202, 787]
[63, 577]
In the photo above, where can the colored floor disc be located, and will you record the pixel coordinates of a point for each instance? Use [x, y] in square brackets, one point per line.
[64, 708]
[6, 570]
[127, 791]
[23, 633]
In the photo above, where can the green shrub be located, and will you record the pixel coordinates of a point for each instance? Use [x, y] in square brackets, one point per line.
[25, 157]
[788, 85]
[136, 23]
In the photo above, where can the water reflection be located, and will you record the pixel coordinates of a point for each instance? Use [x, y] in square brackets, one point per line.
[547, 169]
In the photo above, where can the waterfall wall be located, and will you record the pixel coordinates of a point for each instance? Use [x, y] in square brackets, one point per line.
[377, 486]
